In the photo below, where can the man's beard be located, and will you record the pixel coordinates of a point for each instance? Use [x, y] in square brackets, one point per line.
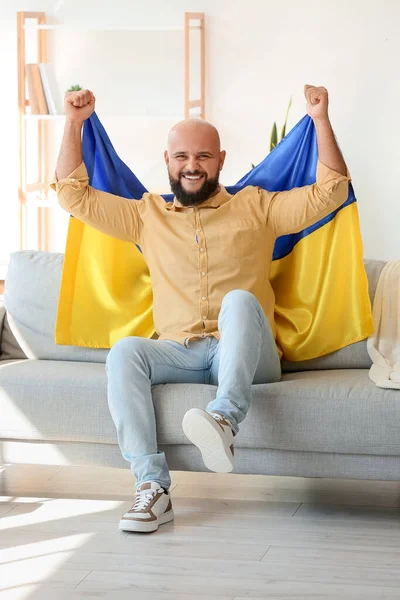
[193, 198]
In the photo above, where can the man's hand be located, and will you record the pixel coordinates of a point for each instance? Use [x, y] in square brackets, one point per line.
[79, 106]
[317, 102]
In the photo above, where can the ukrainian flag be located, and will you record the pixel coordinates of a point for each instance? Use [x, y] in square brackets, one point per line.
[318, 275]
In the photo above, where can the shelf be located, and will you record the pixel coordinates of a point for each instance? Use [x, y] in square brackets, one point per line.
[51, 202]
[45, 117]
[79, 27]
[135, 117]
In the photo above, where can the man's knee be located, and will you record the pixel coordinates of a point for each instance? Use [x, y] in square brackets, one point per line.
[125, 347]
[240, 298]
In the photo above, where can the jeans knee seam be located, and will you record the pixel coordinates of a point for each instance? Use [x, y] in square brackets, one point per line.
[181, 368]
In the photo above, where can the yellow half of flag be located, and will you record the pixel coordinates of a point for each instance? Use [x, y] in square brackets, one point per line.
[105, 291]
[321, 288]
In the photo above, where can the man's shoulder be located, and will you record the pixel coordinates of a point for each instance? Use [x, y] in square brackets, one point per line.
[152, 199]
[147, 196]
[250, 191]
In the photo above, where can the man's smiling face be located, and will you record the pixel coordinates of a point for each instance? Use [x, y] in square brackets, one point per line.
[194, 160]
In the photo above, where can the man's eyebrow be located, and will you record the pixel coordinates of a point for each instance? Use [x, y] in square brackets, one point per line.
[185, 152]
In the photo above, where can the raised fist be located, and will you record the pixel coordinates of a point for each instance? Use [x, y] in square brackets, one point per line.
[317, 102]
[79, 105]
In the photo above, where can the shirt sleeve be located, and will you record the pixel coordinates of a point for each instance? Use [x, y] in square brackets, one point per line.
[113, 215]
[294, 210]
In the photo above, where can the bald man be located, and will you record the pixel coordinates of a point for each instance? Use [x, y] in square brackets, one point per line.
[209, 254]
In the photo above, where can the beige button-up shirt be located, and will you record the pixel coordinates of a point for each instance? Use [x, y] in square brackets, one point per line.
[196, 255]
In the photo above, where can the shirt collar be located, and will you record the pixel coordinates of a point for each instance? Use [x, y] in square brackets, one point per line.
[214, 202]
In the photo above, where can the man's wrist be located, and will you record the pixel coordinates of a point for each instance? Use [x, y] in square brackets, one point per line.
[73, 124]
[322, 122]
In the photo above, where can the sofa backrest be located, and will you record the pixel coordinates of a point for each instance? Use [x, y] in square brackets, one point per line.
[31, 299]
[2, 318]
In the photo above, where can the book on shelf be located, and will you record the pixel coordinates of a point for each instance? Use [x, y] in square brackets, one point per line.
[51, 89]
[37, 99]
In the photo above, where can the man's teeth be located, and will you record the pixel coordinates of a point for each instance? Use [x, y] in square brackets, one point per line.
[193, 176]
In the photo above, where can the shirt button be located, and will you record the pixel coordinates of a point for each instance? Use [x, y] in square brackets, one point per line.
[74, 183]
[204, 317]
[201, 249]
[198, 229]
[204, 298]
[203, 273]
[203, 335]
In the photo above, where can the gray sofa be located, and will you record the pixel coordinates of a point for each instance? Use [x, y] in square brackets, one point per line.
[325, 418]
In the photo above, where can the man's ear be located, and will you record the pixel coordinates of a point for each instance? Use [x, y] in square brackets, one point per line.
[222, 156]
[166, 157]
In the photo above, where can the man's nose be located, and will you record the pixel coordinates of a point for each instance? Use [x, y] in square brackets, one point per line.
[192, 164]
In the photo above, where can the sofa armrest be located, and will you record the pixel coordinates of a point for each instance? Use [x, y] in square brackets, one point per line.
[2, 318]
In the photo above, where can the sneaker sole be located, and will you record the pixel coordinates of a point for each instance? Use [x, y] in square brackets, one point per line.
[142, 527]
[203, 431]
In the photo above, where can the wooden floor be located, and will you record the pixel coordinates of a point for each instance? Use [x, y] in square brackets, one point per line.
[234, 537]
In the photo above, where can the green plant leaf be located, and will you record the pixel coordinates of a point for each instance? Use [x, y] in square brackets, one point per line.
[283, 132]
[74, 88]
[274, 137]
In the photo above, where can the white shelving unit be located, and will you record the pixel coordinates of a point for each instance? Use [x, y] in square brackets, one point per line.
[79, 27]
[45, 197]
[134, 117]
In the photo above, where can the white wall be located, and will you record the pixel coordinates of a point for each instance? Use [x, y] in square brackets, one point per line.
[259, 53]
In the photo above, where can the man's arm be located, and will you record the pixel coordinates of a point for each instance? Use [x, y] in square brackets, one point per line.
[70, 156]
[317, 108]
[78, 107]
[113, 215]
[294, 210]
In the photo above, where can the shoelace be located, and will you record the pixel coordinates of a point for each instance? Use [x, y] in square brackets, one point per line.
[143, 498]
[219, 417]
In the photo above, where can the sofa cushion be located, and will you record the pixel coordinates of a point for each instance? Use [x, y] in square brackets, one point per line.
[338, 411]
[354, 356]
[31, 299]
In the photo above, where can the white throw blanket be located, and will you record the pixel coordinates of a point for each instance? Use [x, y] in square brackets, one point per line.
[384, 344]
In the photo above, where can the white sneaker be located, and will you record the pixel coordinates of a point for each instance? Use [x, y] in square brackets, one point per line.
[212, 434]
[152, 507]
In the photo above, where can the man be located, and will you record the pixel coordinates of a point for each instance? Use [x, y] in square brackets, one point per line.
[209, 256]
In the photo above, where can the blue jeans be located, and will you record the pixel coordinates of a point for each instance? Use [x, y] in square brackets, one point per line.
[245, 354]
